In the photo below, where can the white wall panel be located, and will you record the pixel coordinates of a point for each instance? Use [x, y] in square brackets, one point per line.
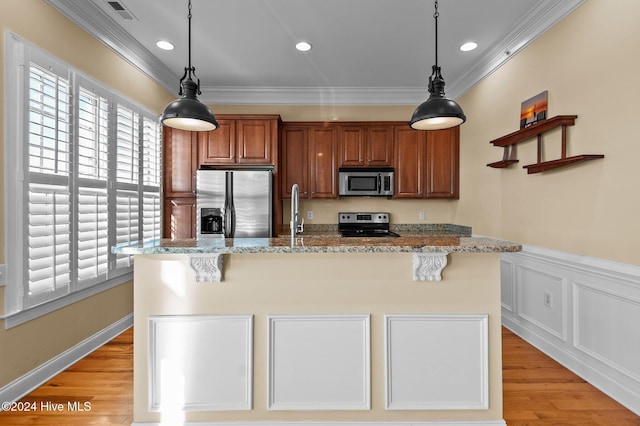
[437, 362]
[319, 362]
[533, 287]
[599, 313]
[607, 328]
[201, 362]
[506, 290]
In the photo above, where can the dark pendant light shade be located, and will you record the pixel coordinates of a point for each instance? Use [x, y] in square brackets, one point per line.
[187, 112]
[437, 112]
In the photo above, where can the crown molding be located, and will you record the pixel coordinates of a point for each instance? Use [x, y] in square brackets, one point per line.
[93, 20]
[314, 95]
[543, 16]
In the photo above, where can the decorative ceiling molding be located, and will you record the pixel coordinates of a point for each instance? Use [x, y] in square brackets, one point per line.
[314, 95]
[545, 15]
[93, 20]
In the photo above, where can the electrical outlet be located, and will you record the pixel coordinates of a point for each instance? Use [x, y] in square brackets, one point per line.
[547, 300]
[421, 215]
[309, 215]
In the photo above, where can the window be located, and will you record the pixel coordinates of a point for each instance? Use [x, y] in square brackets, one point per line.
[83, 165]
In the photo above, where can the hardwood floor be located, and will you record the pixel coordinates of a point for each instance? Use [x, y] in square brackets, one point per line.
[537, 392]
[104, 379]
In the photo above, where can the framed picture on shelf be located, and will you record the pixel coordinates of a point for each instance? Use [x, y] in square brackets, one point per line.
[534, 109]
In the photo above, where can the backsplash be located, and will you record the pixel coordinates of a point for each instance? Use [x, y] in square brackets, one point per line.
[402, 211]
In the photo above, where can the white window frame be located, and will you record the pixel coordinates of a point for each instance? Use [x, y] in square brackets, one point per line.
[21, 307]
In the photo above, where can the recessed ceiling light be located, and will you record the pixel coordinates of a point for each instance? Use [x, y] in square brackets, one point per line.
[303, 46]
[468, 46]
[165, 45]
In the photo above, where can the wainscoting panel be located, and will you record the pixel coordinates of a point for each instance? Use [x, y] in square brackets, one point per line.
[583, 312]
[604, 336]
[508, 296]
[437, 362]
[319, 362]
[540, 297]
[194, 374]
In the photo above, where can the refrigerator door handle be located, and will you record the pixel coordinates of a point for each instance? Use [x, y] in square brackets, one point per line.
[229, 208]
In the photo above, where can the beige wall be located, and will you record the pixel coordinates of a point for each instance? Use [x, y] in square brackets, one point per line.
[589, 64]
[25, 347]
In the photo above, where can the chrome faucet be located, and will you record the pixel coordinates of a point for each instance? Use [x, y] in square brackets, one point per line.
[296, 226]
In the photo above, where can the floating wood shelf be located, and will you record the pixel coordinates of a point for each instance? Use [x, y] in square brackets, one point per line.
[509, 142]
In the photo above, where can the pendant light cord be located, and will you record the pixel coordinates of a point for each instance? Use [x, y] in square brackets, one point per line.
[189, 18]
[435, 16]
[187, 85]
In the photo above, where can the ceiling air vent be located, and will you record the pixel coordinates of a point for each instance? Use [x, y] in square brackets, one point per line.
[122, 11]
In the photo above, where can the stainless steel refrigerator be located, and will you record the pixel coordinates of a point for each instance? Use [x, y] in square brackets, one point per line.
[234, 203]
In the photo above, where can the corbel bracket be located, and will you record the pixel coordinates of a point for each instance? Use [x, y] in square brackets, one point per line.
[428, 266]
[208, 267]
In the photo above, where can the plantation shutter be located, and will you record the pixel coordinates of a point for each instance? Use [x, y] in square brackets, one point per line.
[127, 180]
[151, 179]
[49, 199]
[83, 174]
[93, 174]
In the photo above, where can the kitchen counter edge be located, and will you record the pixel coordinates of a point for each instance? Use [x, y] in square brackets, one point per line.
[324, 244]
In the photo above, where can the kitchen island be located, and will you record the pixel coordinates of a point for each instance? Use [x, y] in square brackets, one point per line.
[331, 330]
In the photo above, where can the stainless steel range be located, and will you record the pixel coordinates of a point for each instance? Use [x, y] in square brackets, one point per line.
[364, 224]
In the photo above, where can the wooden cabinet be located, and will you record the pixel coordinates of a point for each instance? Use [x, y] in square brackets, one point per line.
[323, 167]
[426, 163]
[443, 163]
[408, 158]
[247, 141]
[365, 145]
[179, 218]
[240, 140]
[180, 162]
[308, 158]
[294, 158]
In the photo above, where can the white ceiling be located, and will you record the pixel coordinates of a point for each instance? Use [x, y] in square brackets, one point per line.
[364, 51]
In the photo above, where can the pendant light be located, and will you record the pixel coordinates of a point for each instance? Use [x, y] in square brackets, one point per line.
[187, 112]
[437, 112]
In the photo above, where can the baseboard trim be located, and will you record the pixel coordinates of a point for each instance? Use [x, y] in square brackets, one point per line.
[338, 423]
[36, 377]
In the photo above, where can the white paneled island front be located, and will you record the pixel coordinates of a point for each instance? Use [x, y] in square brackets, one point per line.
[330, 331]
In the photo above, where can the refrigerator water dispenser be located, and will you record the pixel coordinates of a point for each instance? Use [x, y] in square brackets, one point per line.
[211, 221]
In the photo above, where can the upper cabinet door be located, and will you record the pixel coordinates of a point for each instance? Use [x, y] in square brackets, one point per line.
[379, 146]
[254, 141]
[408, 159]
[218, 146]
[443, 147]
[294, 157]
[352, 146]
[365, 145]
[239, 141]
[179, 162]
[323, 167]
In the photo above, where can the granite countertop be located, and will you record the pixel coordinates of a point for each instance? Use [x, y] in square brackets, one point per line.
[436, 238]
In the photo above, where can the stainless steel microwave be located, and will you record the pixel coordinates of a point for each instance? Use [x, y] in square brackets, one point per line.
[370, 181]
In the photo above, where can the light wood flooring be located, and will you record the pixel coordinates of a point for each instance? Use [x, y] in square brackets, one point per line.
[537, 391]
